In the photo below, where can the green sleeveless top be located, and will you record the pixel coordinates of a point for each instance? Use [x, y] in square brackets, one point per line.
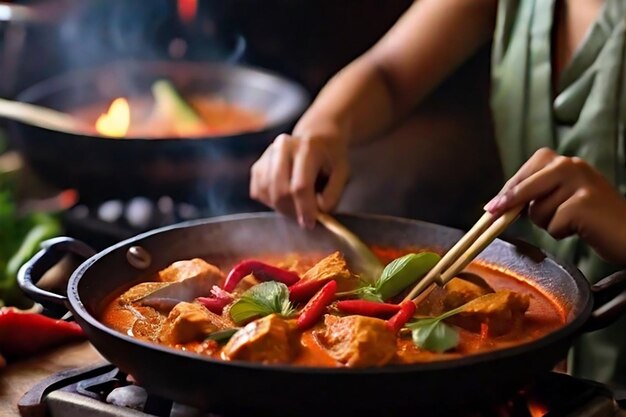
[584, 117]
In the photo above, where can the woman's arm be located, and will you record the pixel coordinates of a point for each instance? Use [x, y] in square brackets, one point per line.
[364, 99]
[425, 46]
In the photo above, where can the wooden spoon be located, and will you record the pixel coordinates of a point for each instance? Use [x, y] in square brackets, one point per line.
[43, 117]
[363, 259]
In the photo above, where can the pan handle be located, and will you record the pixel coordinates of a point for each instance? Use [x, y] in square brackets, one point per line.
[53, 250]
[609, 301]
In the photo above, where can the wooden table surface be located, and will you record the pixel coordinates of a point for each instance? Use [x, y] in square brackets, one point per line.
[19, 377]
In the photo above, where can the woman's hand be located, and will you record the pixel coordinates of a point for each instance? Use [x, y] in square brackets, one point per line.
[285, 176]
[567, 196]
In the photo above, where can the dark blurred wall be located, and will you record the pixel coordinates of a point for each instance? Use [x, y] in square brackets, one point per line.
[308, 40]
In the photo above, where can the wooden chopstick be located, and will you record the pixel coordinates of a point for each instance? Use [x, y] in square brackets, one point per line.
[486, 229]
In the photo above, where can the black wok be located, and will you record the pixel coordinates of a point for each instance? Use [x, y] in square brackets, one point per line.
[183, 168]
[240, 388]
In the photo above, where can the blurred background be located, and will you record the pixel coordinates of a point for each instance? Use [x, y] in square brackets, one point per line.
[256, 63]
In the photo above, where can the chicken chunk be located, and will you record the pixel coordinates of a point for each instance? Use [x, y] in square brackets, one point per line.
[188, 322]
[182, 270]
[500, 312]
[460, 291]
[333, 266]
[269, 340]
[358, 341]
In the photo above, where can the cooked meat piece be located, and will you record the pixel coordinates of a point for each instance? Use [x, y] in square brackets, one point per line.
[500, 311]
[188, 322]
[269, 339]
[459, 292]
[333, 266]
[433, 304]
[358, 341]
[147, 324]
[181, 270]
[245, 284]
[139, 291]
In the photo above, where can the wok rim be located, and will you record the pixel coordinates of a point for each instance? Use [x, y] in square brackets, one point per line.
[567, 331]
[60, 82]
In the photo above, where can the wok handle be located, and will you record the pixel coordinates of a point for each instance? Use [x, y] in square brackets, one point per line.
[53, 250]
[609, 296]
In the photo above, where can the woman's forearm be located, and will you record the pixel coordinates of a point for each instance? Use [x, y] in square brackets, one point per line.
[382, 86]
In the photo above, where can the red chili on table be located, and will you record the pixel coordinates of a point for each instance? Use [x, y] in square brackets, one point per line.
[314, 309]
[407, 309]
[260, 270]
[23, 334]
[368, 308]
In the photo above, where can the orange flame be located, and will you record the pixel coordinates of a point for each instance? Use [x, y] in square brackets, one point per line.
[116, 121]
[536, 409]
[187, 10]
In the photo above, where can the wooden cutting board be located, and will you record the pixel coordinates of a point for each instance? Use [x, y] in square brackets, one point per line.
[19, 377]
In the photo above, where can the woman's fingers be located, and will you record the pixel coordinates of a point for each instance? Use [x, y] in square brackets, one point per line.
[279, 175]
[544, 180]
[306, 168]
[284, 177]
[270, 176]
[334, 187]
[538, 161]
[258, 178]
[541, 211]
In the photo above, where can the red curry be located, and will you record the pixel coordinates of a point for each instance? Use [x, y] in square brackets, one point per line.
[516, 313]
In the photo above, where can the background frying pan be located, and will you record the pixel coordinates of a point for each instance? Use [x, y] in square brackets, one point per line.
[184, 169]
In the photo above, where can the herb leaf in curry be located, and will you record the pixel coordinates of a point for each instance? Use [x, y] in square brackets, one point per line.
[397, 276]
[434, 335]
[262, 300]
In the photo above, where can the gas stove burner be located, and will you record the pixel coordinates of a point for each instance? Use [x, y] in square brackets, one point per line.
[105, 223]
[103, 391]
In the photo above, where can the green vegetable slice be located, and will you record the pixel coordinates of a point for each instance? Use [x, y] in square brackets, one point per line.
[222, 336]
[262, 300]
[172, 106]
[30, 245]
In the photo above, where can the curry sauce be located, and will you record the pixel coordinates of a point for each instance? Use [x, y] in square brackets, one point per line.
[314, 346]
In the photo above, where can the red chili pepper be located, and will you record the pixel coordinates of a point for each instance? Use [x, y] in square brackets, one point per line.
[407, 309]
[314, 309]
[23, 334]
[218, 300]
[303, 290]
[368, 308]
[261, 271]
[214, 305]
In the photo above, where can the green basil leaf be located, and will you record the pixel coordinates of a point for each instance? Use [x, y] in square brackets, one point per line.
[262, 300]
[435, 335]
[222, 336]
[366, 292]
[400, 273]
